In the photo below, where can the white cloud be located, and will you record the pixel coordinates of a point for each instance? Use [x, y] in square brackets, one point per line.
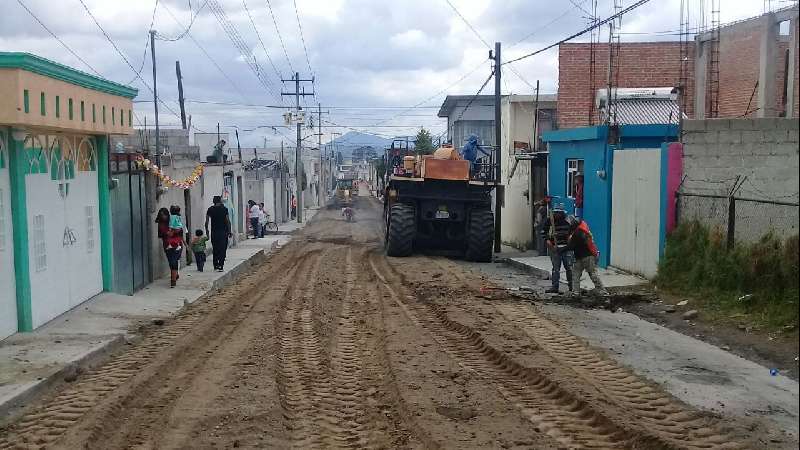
[363, 52]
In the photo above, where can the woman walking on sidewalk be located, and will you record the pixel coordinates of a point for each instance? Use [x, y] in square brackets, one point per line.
[175, 243]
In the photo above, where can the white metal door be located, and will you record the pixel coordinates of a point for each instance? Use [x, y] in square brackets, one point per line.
[8, 298]
[63, 227]
[636, 211]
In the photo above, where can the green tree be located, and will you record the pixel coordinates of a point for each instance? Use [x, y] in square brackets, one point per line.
[424, 142]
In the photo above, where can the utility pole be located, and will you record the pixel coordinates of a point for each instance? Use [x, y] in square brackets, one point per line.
[180, 93]
[283, 188]
[155, 93]
[298, 163]
[498, 193]
[322, 189]
[238, 146]
[535, 148]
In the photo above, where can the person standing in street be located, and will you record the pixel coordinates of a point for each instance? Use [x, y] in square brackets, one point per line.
[581, 243]
[217, 215]
[294, 207]
[556, 234]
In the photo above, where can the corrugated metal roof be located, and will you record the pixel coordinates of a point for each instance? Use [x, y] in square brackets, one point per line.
[646, 111]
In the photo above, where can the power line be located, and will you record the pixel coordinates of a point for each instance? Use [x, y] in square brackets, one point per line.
[203, 50]
[548, 24]
[487, 44]
[238, 42]
[280, 37]
[72, 52]
[183, 34]
[472, 99]
[302, 37]
[147, 42]
[464, 19]
[124, 58]
[419, 105]
[263, 47]
[582, 32]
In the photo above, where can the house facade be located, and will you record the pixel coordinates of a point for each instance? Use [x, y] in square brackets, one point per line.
[55, 224]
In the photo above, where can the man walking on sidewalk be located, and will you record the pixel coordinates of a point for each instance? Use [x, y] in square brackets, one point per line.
[555, 231]
[220, 231]
[581, 243]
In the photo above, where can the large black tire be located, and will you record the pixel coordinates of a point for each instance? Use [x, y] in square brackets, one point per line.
[480, 236]
[401, 229]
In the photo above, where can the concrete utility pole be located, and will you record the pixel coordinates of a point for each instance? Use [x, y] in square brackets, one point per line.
[322, 189]
[298, 163]
[155, 93]
[498, 193]
[180, 93]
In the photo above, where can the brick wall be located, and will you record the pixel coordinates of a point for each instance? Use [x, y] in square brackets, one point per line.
[642, 64]
[739, 59]
[765, 151]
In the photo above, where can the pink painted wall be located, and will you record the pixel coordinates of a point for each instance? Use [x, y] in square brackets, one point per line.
[674, 175]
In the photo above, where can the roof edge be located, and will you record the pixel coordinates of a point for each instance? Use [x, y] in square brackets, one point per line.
[52, 69]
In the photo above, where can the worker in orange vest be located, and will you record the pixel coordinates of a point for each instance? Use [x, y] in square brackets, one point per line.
[581, 243]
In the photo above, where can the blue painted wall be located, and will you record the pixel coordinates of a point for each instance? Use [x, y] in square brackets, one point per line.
[590, 144]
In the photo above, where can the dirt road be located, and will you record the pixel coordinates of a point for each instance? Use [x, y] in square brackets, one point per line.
[330, 344]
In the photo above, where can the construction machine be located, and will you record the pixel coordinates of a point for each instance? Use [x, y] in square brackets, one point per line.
[438, 202]
[344, 192]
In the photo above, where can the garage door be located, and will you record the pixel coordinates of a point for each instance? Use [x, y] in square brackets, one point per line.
[63, 224]
[636, 211]
[8, 300]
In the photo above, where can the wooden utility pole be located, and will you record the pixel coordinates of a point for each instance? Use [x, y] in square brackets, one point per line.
[298, 163]
[180, 93]
[155, 93]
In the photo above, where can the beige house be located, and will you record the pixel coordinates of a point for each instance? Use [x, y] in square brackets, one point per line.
[55, 221]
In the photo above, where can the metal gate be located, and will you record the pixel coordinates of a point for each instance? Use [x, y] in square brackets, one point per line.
[129, 219]
[636, 211]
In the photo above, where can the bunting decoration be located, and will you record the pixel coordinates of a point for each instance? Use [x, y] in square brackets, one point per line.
[186, 183]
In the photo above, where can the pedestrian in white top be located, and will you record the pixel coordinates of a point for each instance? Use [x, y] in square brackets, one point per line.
[255, 219]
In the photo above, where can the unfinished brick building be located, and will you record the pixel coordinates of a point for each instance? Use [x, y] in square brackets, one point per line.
[754, 57]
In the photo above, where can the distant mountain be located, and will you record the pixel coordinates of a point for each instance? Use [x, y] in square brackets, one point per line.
[352, 140]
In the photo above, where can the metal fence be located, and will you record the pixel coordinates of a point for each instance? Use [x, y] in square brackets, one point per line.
[741, 219]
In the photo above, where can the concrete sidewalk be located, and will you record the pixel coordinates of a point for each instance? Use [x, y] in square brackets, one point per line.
[540, 266]
[30, 362]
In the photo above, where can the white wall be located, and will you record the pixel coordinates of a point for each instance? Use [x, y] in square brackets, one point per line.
[8, 299]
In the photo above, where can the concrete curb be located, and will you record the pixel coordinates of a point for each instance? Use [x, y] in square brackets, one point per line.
[541, 273]
[13, 405]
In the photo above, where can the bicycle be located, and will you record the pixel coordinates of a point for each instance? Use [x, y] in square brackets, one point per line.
[270, 226]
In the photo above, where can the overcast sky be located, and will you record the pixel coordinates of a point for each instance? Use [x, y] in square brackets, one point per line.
[366, 55]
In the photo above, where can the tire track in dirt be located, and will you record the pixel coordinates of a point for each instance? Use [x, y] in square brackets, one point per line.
[96, 393]
[659, 413]
[552, 410]
[652, 411]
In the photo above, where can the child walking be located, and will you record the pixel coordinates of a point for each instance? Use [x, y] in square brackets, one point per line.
[199, 249]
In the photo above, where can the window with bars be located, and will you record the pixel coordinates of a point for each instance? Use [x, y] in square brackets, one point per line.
[574, 167]
[39, 244]
[89, 229]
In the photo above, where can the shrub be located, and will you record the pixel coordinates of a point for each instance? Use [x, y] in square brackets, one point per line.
[697, 260]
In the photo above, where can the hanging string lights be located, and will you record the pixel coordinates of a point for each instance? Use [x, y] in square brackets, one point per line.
[186, 183]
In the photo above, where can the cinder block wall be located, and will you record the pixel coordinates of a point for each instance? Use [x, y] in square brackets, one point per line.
[716, 151]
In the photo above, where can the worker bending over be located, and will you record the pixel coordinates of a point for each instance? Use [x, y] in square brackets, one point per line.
[581, 243]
